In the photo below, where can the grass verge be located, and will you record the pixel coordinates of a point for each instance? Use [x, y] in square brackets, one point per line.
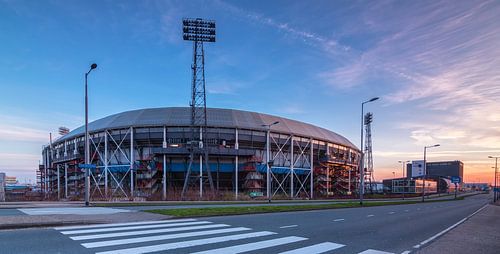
[232, 210]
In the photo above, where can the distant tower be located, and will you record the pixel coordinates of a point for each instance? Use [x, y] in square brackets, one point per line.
[198, 31]
[369, 178]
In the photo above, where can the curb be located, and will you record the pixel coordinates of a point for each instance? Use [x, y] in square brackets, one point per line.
[44, 225]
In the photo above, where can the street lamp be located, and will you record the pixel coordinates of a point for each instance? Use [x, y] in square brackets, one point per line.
[361, 159]
[268, 161]
[495, 196]
[405, 182]
[425, 168]
[87, 148]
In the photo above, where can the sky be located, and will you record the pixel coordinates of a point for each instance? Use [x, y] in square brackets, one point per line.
[434, 65]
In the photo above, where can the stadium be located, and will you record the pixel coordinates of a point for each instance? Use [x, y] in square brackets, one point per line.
[144, 155]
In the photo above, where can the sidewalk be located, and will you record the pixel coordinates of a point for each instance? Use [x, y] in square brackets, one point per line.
[78, 218]
[479, 234]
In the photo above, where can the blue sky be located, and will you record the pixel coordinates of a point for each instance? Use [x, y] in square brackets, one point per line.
[433, 63]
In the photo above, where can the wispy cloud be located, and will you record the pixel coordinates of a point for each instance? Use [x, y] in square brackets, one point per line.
[325, 43]
[15, 133]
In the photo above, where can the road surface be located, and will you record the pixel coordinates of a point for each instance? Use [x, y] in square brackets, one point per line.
[384, 229]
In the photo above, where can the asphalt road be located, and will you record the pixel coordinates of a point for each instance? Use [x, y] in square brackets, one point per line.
[393, 229]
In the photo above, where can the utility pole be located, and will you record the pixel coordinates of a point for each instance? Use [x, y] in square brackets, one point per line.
[87, 146]
[495, 192]
[425, 169]
[361, 159]
[268, 160]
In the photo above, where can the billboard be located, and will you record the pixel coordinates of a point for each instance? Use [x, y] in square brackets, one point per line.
[417, 168]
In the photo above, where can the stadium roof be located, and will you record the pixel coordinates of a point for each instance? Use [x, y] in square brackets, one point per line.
[216, 117]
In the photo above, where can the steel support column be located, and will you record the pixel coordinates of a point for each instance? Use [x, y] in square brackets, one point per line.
[311, 178]
[164, 184]
[236, 146]
[106, 162]
[268, 176]
[66, 180]
[292, 162]
[132, 163]
[58, 183]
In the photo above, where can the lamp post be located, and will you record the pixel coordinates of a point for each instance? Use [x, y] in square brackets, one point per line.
[268, 161]
[87, 148]
[425, 168]
[495, 196]
[404, 178]
[361, 159]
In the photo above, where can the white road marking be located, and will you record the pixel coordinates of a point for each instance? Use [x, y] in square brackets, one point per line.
[290, 226]
[370, 251]
[146, 232]
[254, 246]
[336, 220]
[448, 229]
[72, 210]
[317, 248]
[132, 228]
[392, 212]
[407, 210]
[406, 252]
[160, 237]
[370, 215]
[122, 224]
[185, 244]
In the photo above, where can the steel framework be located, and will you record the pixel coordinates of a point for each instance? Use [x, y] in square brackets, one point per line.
[369, 177]
[198, 31]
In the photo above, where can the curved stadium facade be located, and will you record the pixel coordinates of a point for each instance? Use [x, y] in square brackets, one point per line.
[144, 154]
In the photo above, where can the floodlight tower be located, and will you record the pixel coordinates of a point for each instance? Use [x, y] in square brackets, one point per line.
[368, 151]
[198, 31]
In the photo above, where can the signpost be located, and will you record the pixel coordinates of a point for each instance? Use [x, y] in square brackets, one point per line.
[456, 180]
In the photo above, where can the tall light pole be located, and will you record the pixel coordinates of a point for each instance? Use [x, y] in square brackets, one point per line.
[361, 159]
[268, 155]
[425, 168]
[495, 196]
[87, 147]
[404, 178]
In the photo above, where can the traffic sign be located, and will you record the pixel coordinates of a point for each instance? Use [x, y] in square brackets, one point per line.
[455, 179]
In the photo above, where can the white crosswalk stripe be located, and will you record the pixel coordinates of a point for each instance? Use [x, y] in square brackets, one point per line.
[160, 237]
[145, 232]
[188, 234]
[184, 244]
[254, 246]
[123, 224]
[84, 231]
[370, 251]
[317, 248]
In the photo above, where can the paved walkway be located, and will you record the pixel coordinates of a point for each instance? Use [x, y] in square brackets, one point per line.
[50, 217]
[479, 234]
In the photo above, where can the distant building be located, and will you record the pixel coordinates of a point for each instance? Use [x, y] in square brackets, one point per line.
[409, 186]
[445, 169]
[11, 180]
[2, 187]
[476, 186]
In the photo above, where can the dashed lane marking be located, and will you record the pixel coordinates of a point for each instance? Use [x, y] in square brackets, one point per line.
[289, 226]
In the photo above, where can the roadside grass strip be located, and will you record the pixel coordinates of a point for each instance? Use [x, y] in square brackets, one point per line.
[238, 210]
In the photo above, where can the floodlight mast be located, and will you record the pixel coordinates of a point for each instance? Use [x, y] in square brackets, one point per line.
[198, 31]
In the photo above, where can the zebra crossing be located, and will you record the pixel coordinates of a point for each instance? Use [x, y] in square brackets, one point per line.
[189, 236]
